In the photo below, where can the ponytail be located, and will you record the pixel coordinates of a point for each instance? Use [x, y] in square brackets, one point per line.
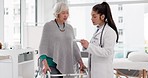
[104, 8]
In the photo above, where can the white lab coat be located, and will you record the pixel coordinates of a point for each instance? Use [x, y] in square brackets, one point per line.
[102, 58]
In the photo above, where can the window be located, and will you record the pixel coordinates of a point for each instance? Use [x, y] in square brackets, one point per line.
[81, 1]
[12, 21]
[30, 12]
[120, 8]
[120, 31]
[120, 19]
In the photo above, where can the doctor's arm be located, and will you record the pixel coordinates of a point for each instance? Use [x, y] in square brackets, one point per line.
[106, 50]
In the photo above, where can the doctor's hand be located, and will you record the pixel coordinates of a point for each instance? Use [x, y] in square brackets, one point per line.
[84, 43]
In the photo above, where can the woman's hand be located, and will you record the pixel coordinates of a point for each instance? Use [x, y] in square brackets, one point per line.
[45, 67]
[82, 66]
[84, 43]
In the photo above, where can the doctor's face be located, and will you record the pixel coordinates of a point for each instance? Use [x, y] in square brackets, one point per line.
[63, 16]
[96, 18]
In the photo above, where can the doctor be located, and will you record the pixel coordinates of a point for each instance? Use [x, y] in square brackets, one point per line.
[101, 46]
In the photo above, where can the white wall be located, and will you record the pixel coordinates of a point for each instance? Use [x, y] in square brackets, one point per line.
[45, 12]
[40, 11]
[146, 8]
[32, 36]
[146, 26]
[134, 27]
[90, 28]
[2, 20]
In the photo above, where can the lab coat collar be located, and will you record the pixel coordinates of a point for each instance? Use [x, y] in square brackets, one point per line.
[100, 29]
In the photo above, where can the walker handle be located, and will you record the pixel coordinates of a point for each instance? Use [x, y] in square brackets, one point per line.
[48, 73]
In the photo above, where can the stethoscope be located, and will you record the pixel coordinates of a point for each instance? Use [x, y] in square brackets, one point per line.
[95, 36]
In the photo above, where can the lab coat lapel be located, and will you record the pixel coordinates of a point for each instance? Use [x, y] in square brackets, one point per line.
[97, 33]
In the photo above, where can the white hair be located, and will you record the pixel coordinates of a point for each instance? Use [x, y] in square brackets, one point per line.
[59, 7]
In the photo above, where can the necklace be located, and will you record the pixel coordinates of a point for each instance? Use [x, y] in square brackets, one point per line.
[63, 29]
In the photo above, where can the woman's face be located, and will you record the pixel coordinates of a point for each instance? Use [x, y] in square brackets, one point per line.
[96, 18]
[63, 16]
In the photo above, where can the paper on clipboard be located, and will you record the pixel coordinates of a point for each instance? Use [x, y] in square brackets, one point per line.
[77, 40]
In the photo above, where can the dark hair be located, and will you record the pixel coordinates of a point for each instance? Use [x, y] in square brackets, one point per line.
[104, 8]
[0, 45]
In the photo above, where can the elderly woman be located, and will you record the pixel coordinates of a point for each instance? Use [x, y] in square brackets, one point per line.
[57, 43]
